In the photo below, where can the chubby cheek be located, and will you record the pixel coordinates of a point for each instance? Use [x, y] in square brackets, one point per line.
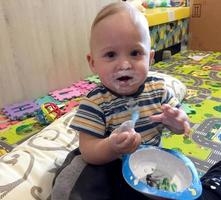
[143, 70]
[104, 72]
[105, 76]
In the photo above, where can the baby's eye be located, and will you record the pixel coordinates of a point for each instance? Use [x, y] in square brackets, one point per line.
[110, 54]
[136, 53]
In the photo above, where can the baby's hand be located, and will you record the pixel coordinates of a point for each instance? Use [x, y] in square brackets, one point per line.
[175, 119]
[124, 142]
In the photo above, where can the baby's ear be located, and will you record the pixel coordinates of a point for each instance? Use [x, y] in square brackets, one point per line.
[90, 61]
[152, 53]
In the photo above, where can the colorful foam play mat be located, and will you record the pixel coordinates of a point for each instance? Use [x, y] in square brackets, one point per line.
[201, 73]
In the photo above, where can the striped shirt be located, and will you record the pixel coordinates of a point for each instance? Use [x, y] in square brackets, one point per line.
[102, 110]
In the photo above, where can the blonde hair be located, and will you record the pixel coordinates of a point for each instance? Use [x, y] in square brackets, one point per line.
[136, 16]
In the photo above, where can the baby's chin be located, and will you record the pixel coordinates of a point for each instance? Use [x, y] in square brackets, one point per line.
[125, 91]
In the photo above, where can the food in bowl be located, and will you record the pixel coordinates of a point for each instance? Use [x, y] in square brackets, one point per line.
[161, 173]
[161, 181]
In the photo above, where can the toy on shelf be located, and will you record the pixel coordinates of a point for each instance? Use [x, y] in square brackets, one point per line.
[21, 110]
[137, 4]
[177, 3]
[48, 113]
[148, 4]
[156, 3]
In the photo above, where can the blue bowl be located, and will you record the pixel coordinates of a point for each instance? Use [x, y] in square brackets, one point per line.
[172, 164]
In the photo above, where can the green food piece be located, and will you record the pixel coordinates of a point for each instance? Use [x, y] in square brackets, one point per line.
[173, 187]
[161, 183]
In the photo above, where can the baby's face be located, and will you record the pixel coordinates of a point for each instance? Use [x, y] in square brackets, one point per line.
[120, 53]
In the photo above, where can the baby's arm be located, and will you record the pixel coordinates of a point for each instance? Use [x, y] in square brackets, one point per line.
[174, 118]
[103, 150]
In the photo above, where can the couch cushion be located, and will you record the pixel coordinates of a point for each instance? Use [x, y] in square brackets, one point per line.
[176, 86]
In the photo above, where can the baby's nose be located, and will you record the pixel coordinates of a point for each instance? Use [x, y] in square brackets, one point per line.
[125, 64]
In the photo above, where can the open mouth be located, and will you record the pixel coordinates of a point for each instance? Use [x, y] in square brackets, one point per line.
[124, 78]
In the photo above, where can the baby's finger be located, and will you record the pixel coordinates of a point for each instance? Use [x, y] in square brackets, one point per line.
[156, 118]
[168, 110]
[128, 142]
[186, 129]
[121, 137]
[136, 143]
